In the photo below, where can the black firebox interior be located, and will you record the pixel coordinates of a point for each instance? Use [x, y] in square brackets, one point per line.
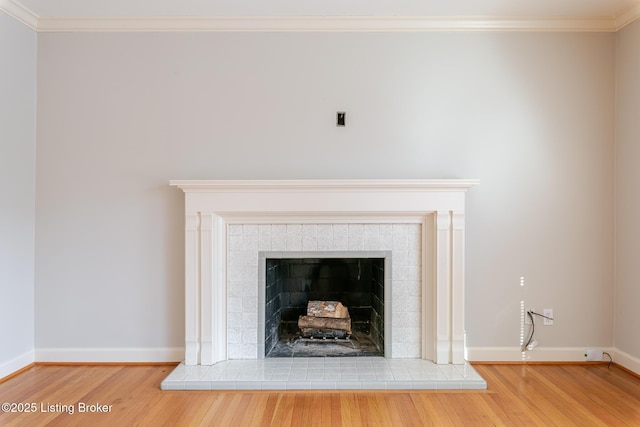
[358, 283]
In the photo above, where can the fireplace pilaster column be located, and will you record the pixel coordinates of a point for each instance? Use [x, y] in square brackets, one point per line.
[443, 290]
[213, 289]
[192, 294]
[457, 289]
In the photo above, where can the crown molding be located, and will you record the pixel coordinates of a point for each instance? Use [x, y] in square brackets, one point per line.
[20, 13]
[324, 24]
[627, 17]
[317, 23]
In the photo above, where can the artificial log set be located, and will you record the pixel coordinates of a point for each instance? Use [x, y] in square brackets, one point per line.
[325, 319]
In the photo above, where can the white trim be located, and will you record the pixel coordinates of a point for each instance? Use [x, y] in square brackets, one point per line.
[9, 367]
[626, 360]
[443, 288]
[316, 23]
[324, 197]
[192, 296]
[457, 288]
[547, 354]
[323, 218]
[20, 13]
[627, 17]
[324, 184]
[111, 355]
[324, 24]
[539, 354]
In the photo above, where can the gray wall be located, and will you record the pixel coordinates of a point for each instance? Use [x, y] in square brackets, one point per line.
[627, 292]
[17, 193]
[529, 114]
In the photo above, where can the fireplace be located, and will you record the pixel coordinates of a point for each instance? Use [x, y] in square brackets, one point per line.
[233, 227]
[357, 284]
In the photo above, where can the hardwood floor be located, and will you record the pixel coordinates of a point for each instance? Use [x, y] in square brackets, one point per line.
[518, 395]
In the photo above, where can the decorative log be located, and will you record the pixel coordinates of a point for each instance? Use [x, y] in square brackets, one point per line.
[310, 322]
[333, 309]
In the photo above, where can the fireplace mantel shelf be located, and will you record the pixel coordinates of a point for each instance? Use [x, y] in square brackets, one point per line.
[333, 184]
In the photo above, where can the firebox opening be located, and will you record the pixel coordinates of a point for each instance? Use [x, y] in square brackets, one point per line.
[357, 283]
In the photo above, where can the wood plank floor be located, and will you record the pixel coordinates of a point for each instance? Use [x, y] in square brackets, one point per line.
[518, 395]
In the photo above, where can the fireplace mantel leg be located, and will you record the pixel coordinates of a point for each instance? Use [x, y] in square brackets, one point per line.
[450, 287]
[457, 289]
[443, 293]
[213, 289]
[192, 294]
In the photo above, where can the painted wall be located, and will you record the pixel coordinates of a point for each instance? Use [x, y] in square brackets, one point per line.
[627, 291]
[529, 114]
[17, 193]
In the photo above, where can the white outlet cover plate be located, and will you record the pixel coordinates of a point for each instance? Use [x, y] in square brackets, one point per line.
[594, 354]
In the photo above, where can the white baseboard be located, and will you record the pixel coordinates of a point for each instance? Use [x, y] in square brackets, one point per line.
[110, 355]
[547, 354]
[17, 363]
[176, 354]
[539, 354]
[626, 360]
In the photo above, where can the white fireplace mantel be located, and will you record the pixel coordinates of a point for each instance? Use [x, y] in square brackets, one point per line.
[212, 205]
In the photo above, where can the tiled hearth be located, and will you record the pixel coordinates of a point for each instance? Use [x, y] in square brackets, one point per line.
[232, 226]
[325, 373]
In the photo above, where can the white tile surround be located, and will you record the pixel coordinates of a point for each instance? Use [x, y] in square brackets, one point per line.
[248, 244]
[230, 225]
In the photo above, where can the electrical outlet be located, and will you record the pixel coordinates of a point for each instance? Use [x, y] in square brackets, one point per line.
[593, 354]
[527, 318]
[548, 319]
